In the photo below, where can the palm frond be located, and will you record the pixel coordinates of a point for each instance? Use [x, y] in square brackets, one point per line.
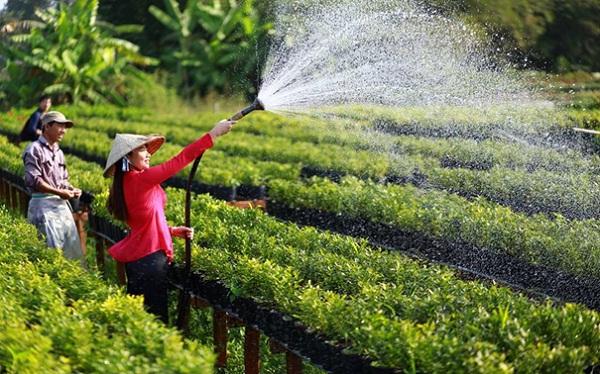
[121, 44]
[164, 18]
[47, 17]
[57, 88]
[129, 29]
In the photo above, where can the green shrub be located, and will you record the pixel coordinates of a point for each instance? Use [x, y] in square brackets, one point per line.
[58, 318]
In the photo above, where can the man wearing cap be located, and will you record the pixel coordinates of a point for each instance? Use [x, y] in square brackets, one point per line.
[46, 178]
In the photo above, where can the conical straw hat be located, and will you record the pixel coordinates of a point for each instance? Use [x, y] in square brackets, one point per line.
[125, 143]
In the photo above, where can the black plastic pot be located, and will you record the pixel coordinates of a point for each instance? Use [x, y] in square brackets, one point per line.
[285, 329]
[482, 263]
[247, 192]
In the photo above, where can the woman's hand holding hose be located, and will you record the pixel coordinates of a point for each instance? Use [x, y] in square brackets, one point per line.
[221, 128]
[183, 232]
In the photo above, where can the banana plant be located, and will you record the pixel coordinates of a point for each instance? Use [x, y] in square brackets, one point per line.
[182, 24]
[76, 56]
[228, 56]
[216, 44]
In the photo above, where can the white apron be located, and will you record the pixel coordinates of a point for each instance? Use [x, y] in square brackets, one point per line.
[53, 218]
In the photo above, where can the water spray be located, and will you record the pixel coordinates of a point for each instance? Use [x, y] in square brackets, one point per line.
[184, 302]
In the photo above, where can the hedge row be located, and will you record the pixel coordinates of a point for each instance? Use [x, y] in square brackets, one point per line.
[398, 312]
[261, 128]
[558, 243]
[528, 179]
[59, 318]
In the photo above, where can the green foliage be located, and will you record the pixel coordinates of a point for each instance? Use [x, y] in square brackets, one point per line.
[555, 35]
[214, 45]
[523, 21]
[556, 242]
[586, 100]
[396, 311]
[59, 318]
[573, 35]
[24, 349]
[152, 92]
[68, 54]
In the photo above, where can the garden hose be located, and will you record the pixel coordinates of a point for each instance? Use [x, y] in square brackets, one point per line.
[184, 299]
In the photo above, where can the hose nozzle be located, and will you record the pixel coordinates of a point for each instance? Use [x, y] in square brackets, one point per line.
[256, 105]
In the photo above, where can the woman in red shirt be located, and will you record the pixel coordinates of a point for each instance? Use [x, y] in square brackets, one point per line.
[137, 198]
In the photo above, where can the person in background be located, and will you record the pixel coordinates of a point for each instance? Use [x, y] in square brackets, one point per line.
[137, 198]
[46, 178]
[32, 129]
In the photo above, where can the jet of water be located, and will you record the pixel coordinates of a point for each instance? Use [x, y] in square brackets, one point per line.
[380, 52]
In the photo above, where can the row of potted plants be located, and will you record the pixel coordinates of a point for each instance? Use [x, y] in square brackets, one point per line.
[533, 180]
[398, 312]
[452, 151]
[554, 242]
[59, 318]
[557, 187]
[435, 214]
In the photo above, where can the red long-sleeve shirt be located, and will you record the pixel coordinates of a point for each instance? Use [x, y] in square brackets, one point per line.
[145, 200]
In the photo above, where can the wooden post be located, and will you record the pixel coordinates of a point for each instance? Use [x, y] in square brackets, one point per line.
[183, 316]
[24, 202]
[121, 277]
[220, 336]
[3, 188]
[251, 351]
[14, 199]
[294, 363]
[194, 302]
[100, 260]
[6, 193]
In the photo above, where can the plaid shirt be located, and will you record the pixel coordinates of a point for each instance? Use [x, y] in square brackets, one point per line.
[44, 163]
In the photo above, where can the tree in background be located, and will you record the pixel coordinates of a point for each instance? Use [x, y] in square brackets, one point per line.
[181, 25]
[515, 26]
[572, 41]
[68, 54]
[235, 38]
[212, 46]
[124, 12]
[555, 35]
